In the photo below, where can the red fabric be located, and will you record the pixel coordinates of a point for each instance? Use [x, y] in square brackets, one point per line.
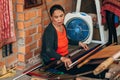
[110, 5]
[62, 43]
[52, 59]
[116, 25]
[7, 34]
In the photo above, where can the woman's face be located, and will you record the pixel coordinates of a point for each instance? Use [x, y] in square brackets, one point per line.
[58, 17]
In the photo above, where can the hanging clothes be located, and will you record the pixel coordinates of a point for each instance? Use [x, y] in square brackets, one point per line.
[112, 6]
[110, 9]
[7, 31]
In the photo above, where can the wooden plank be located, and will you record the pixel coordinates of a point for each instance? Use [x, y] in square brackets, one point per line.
[106, 52]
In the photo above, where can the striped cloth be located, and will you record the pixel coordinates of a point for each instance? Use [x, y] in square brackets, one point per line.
[110, 5]
[7, 32]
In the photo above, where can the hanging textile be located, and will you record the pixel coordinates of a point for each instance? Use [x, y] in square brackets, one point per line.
[7, 31]
[116, 21]
[110, 5]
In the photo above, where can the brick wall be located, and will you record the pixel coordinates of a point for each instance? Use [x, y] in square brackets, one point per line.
[29, 29]
[29, 25]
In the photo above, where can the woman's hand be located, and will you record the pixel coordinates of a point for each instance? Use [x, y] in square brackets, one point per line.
[83, 45]
[66, 61]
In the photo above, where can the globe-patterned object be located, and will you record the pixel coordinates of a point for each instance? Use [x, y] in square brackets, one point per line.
[79, 26]
[77, 29]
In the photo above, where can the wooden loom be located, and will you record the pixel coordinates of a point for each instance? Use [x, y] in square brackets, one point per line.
[104, 53]
[110, 53]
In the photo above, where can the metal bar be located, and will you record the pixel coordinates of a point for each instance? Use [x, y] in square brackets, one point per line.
[78, 6]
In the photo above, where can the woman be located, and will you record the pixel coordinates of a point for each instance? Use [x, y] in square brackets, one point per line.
[55, 41]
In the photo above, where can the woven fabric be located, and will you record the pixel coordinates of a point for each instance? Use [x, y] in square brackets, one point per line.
[112, 6]
[7, 31]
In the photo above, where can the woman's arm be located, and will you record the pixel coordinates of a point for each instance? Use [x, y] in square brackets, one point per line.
[50, 44]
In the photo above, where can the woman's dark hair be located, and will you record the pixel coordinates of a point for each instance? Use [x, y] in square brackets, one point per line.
[56, 7]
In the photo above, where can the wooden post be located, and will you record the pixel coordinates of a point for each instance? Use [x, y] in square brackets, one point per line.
[104, 65]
